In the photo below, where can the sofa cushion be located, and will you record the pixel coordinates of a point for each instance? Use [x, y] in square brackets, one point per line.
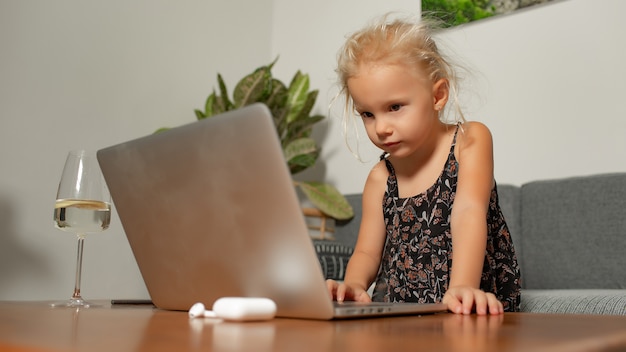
[333, 257]
[574, 301]
[574, 233]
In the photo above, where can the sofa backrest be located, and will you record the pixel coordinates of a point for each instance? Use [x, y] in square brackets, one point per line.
[574, 233]
[509, 197]
[567, 233]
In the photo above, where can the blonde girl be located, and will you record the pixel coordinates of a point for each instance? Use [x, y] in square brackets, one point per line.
[432, 229]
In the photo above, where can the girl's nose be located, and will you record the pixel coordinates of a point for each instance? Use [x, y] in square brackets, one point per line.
[383, 128]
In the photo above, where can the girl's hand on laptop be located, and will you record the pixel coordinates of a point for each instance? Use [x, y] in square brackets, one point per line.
[345, 292]
[461, 300]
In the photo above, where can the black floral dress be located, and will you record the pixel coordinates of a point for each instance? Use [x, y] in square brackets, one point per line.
[417, 257]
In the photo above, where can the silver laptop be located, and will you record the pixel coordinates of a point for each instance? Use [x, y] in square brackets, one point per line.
[210, 210]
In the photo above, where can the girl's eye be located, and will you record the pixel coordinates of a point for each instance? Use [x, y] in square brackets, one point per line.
[366, 115]
[395, 107]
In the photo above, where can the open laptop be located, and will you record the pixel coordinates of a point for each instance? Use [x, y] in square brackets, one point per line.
[210, 211]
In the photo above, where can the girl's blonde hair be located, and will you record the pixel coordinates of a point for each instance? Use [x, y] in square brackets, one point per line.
[397, 41]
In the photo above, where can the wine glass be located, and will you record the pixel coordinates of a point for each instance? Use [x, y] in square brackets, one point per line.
[83, 205]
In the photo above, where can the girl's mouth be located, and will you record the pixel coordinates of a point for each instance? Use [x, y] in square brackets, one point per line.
[391, 145]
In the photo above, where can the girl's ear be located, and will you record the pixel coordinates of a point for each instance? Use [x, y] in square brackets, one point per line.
[441, 91]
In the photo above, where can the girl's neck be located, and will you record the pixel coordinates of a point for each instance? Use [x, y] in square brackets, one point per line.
[419, 171]
[432, 147]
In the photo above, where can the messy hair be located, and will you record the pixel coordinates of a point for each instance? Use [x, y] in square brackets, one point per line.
[397, 41]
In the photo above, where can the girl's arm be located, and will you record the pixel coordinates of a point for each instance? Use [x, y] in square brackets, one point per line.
[363, 265]
[469, 221]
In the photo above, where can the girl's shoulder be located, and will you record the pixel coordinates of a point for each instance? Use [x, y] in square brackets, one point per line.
[377, 177]
[473, 133]
[473, 129]
[474, 146]
[378, 172]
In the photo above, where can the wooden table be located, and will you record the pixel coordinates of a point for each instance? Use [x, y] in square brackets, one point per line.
[34, 326]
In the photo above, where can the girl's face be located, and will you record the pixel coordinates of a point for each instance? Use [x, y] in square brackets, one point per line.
[397, 104]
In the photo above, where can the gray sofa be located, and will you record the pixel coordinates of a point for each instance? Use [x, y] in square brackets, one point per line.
[569, 235]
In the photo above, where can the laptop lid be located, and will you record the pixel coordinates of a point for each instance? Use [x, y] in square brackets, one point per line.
[210, 211]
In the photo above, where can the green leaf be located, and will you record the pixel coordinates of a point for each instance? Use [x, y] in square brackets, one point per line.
[214, 105]
[228, 105]
[300, 146]
[297, 95]
[253, 88]
[302, 162]
[308, 104]
[208, 105]
[162, 129]
[327, 199]
[273, 62]
[302, 128]
[301, 154]
[277, 96]
[199, 114]
[276, 103]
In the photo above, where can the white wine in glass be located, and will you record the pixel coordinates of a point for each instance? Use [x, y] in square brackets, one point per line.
[83, 206]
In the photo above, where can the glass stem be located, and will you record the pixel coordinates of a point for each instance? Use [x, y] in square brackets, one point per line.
[79, 265]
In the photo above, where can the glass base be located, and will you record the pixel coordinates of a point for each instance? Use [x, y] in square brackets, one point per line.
[74, 303]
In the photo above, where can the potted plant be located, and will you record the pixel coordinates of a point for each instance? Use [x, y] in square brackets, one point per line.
[291, 109]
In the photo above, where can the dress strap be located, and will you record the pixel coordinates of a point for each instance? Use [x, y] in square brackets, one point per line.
[384, 156]
[392, 184]
[456, 132]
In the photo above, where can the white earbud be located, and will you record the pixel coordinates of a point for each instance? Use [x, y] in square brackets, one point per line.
[236, 308]
[198, 311]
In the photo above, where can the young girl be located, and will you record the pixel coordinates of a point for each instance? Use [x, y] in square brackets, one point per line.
[432, 229]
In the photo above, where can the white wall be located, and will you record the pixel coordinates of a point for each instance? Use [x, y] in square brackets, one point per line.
[548, 81]
[88, 73]
[552, 87]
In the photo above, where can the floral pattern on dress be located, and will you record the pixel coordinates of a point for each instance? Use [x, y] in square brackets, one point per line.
[417, 257]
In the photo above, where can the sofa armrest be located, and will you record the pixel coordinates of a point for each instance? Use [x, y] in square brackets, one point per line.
[574, 301]
[574, 233]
